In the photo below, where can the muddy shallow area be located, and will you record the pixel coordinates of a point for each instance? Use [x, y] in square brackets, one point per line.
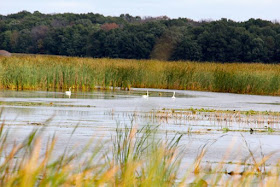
[99, 112]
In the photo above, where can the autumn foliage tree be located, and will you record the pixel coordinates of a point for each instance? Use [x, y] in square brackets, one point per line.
[109, 26]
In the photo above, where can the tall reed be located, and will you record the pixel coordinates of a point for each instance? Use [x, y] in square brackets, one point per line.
[136, 157]
[55, 72]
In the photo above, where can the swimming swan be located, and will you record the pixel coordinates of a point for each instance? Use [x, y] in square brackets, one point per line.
[146, 96]
[173, 97]
[68, 92]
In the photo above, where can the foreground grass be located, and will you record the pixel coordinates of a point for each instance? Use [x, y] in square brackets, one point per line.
[55, 72]
[134, 157]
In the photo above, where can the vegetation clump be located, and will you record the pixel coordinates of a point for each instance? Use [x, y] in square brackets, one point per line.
[245, 112]
[5, 53]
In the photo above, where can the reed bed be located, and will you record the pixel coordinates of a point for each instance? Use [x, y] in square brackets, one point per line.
[56, 72]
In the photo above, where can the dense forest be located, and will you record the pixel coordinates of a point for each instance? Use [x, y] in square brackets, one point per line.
[126, 36]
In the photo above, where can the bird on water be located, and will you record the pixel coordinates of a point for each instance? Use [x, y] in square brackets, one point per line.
[68, 92]
[146, 96]
[173, 97]
[251, 131]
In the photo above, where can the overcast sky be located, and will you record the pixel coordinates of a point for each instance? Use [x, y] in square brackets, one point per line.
[238, 10]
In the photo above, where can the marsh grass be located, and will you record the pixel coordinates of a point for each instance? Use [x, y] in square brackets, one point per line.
[135, 157]
[56, 72]
[206, 120]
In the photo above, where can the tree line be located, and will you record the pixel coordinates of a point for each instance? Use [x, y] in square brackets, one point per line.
[133, 37]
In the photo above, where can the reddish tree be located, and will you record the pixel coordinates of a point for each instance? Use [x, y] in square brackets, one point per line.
[109, 26]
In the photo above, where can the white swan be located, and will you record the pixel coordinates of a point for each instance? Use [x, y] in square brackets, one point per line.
[146, 96]
[68, 92]
[173, 97]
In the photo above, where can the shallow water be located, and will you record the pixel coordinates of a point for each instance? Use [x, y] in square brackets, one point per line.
[97, 113]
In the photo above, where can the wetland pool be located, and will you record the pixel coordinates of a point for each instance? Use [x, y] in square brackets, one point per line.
[98, 113]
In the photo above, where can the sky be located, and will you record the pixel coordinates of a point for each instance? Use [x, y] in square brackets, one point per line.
[238, 10]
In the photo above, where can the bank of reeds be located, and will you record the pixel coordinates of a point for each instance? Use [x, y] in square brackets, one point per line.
[54, 72]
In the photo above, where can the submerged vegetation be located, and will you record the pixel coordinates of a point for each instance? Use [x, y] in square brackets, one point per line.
[50, 104]
[248, 112]
[133, 157]
[55, 72]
